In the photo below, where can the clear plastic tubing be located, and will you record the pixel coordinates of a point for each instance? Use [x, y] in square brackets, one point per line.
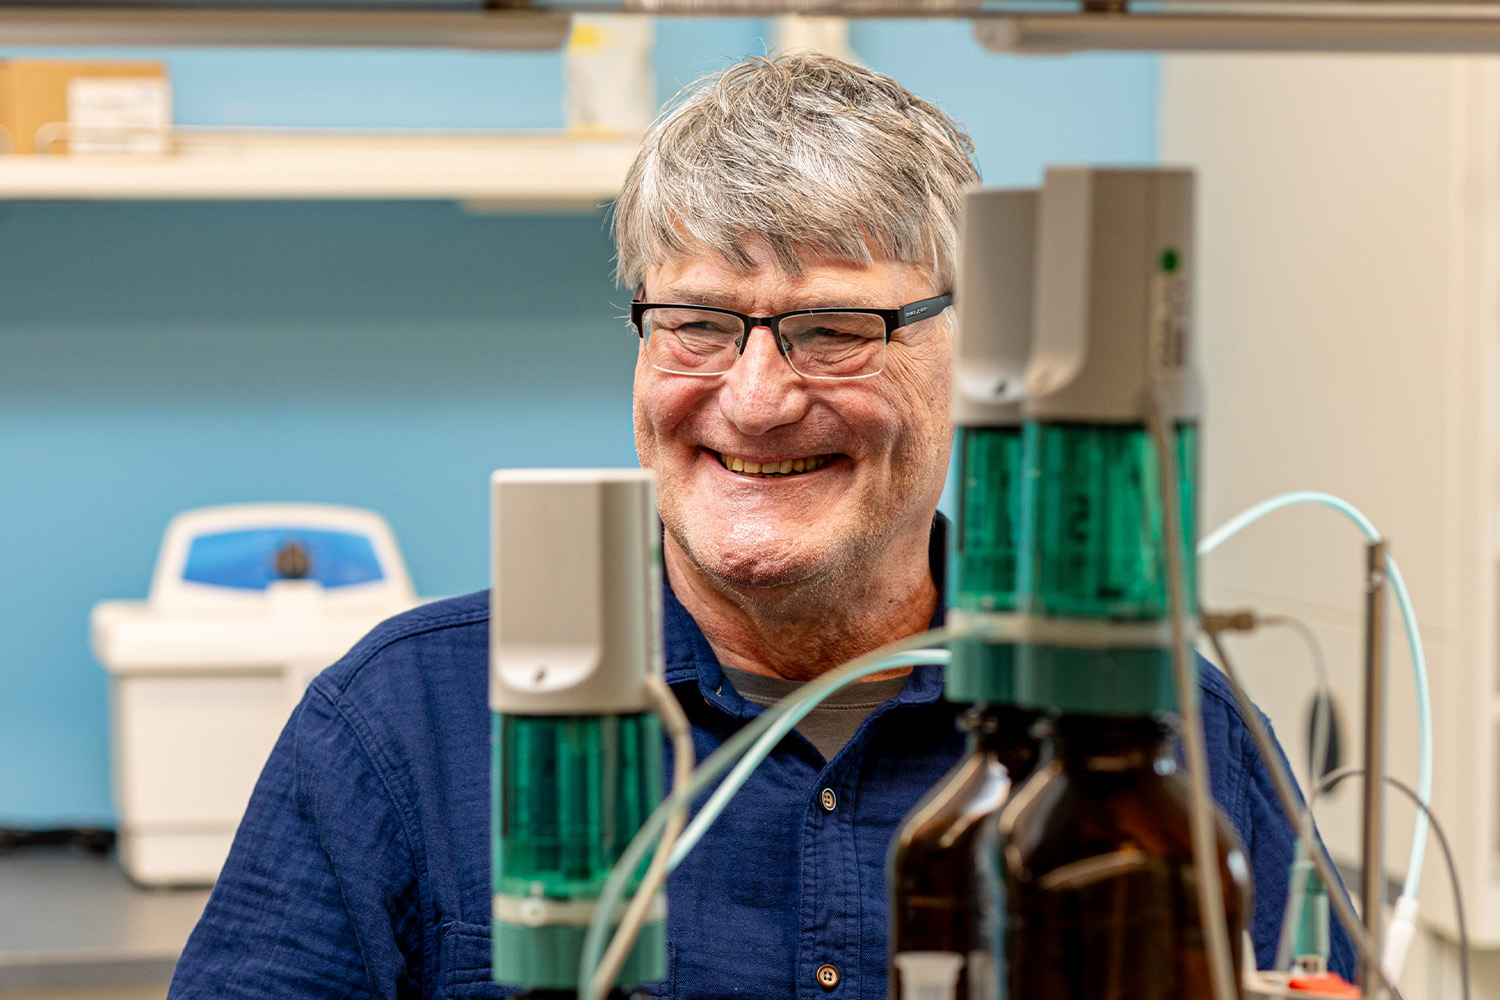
[1239, 522]
[764, 732]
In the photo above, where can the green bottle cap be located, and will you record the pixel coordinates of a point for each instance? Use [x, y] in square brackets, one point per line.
[981, 671]
[547, 957]
[1094, 681]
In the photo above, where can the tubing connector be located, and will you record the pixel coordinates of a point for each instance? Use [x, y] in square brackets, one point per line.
[1237, 620]
[1398, 937]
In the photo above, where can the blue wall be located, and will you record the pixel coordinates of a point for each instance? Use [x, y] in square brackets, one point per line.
[155, 357]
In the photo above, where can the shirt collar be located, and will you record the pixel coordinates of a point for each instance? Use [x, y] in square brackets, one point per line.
[690, 658]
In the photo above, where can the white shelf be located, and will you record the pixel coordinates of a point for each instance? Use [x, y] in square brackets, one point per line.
[500, 170]
[151, 25]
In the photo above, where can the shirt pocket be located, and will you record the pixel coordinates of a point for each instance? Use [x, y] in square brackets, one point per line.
[465, 972]
[466, 959]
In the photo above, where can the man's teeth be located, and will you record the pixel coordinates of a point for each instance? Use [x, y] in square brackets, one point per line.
[787, 467]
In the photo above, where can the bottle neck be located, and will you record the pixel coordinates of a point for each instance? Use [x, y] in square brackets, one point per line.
[1114, 743]
[1007, 733]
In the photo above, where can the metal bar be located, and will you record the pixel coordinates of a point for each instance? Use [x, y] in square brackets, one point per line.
[1372, 848]
[1136, 32]
[68, 25]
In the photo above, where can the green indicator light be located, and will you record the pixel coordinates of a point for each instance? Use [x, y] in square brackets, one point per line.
[1170, 260]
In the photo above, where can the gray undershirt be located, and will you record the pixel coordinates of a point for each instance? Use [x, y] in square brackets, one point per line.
[833, 723]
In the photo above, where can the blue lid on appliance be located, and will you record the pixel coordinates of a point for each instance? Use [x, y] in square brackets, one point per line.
[254, 558]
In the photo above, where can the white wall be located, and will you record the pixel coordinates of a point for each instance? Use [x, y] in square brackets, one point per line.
[1347, 316]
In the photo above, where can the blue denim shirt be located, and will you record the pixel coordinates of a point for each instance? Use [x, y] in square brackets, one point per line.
[361, 868]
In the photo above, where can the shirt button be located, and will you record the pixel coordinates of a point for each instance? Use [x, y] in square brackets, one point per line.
[827, 976]
[829, 802]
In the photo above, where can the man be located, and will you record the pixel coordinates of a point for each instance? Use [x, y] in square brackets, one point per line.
[798, 485]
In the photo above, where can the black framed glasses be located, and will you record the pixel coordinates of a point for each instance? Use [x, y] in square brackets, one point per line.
[817, 343]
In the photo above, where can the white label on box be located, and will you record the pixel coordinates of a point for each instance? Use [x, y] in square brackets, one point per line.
[118, 114]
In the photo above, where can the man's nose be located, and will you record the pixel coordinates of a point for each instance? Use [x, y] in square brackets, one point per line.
[761, 391]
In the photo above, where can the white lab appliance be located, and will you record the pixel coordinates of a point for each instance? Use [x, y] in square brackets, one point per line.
[248, 603]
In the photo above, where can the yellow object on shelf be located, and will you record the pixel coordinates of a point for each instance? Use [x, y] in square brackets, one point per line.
[56, 106]
[609, 87]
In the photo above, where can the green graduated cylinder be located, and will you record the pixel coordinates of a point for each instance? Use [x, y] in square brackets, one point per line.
[568, 792]
[1099, 551]
[989, 525]
[989, 521]
[1092, 528]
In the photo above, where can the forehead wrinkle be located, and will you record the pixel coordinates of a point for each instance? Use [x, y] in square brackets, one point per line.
[689, 295]
[708, 283]
[705, 291]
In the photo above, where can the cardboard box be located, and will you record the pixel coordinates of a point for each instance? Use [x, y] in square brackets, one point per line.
[120, 107]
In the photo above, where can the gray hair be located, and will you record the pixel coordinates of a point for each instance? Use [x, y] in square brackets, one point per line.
[802, 153]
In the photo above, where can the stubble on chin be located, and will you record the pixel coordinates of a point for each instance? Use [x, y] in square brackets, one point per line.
[740, 555]
[774, 567]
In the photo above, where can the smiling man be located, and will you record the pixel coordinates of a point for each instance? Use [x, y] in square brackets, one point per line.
[776, 439]
[800, 455]
[790, 232]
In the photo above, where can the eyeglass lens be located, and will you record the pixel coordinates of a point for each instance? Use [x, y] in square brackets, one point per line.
[818, 345]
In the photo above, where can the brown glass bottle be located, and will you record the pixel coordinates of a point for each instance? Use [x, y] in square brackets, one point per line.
[936, 919]
[1096, 861]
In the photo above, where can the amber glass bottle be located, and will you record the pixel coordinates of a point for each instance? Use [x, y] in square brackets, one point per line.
[1096, 860]
[939, 946]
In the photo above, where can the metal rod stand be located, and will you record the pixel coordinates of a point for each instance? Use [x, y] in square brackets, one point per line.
[1372, 853]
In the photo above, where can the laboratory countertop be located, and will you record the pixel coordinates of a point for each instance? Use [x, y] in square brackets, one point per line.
[70, 921]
